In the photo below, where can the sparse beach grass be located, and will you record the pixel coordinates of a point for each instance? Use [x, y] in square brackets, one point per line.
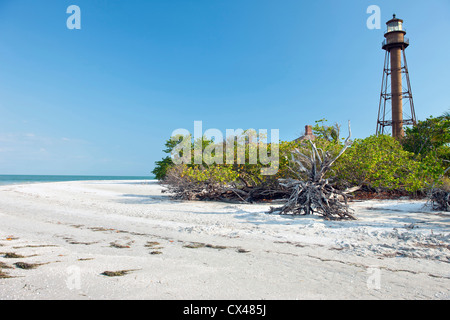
[28, 266]
[119, 273]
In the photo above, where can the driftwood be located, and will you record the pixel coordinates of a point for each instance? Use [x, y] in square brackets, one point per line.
[439, 199]
[240, 191]
[315, 195]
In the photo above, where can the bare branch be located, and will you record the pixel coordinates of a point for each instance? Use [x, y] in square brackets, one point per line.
[315, 194]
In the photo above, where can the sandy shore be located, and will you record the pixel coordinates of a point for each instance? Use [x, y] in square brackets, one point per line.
[72, 232]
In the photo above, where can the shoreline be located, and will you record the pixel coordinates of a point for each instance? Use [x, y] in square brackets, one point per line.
[33, 179]
[74, 232]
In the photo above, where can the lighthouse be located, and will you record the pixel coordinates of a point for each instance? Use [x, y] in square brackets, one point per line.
[396, 107]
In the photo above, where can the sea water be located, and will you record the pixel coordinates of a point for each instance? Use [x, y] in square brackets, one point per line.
[25, 179]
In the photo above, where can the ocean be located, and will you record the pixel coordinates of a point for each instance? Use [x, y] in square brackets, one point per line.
[25, 179]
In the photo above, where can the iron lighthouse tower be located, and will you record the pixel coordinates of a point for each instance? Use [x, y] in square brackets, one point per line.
[396, 106]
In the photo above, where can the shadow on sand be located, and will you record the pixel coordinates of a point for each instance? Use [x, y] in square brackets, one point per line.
[146, 199]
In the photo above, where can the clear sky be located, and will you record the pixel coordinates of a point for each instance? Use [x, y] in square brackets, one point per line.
[102, 100]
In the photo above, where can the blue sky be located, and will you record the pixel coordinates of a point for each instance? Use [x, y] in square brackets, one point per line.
[102, 100]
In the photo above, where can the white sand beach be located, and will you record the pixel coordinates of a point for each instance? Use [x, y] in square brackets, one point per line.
[75, 231]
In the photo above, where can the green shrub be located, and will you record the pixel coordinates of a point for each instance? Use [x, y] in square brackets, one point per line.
[380, 162]
[430, 137]
[161, 167]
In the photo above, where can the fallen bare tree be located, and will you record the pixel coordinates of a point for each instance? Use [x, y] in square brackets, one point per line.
[439, 199]
[315, 194]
